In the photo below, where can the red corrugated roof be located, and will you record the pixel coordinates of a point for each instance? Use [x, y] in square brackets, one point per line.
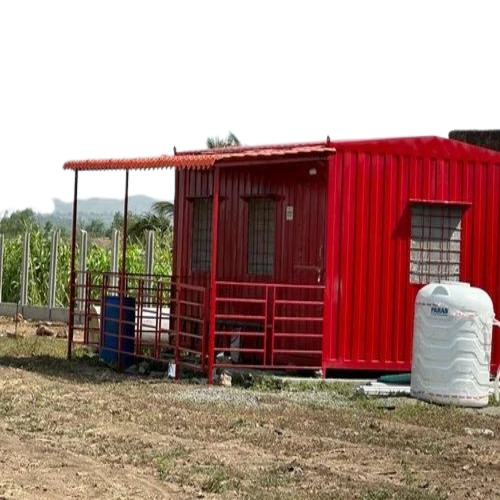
[187, 161]
[204, 159]
[252, 149]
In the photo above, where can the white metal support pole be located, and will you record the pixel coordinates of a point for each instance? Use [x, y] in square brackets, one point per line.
[115, 252]
[82, 271]
[150, 252]
[54, 248]
[149, 264]
[25, 269]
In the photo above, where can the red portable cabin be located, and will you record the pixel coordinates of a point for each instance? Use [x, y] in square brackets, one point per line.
[310, 256]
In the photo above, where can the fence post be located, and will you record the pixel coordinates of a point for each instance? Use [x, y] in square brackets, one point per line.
[25, 269]
[150, 252]
[115, 251]
[149, 265]
[1, 265]
[82, 272]
[54, 248]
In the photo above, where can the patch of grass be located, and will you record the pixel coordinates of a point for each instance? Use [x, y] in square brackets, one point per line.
[32, 346]
[409, 475]
[275, 477]
[217, 480]
[239, 423]
[378, 494]
[165, 462]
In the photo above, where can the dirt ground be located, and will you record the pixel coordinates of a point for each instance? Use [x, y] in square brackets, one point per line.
[76, 429]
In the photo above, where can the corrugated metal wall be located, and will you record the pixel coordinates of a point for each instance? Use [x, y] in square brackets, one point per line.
[372, 298]
[299, 243]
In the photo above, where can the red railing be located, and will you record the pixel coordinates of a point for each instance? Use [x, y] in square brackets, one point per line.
[133, 317]
[257, 325]
[268, 325]
[190, 315]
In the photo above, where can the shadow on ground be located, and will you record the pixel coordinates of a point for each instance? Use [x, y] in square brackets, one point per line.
[79, 369]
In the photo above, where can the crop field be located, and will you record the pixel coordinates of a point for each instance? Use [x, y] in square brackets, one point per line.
[76, 429]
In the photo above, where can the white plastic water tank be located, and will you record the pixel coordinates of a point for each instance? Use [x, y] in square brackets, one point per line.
[452, 344]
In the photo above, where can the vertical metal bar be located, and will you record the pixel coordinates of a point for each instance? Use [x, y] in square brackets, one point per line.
[1, 264]
[121, 317]
[86, 318]
[213, 274]
[25, 270]
[139, 307]
[122, 283]
[159, 307]
[328, 321]
[178, 227]
[71, 319]
[273, 312]
[204, 313]
[53, 269]
[125, 228]
[104, 311]
[177, 328]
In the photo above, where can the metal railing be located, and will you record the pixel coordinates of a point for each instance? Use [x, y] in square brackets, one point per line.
[257, 325]
[150, 317]
[268, 325]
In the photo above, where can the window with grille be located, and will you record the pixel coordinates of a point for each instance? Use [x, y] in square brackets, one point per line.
[201, 244]
[435, 243]
[261, 236]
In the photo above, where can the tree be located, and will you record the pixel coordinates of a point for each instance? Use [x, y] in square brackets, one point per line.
[163, 209]
[230, 141]
[18, 222]
[159, 219]
[95, 227]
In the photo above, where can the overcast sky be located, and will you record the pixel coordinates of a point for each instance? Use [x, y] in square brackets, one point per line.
[118, 78]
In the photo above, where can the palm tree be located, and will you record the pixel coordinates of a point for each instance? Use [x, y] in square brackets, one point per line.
[159, 219]
[230, 141]
[164, 209]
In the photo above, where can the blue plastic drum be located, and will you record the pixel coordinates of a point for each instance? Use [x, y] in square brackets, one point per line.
[112, 332]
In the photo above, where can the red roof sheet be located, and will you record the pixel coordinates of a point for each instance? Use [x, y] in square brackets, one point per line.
[187, 161]
[199, 160]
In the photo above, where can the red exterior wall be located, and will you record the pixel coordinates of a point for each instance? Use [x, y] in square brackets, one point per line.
[298, 242]
[367, 187]
[372, 183]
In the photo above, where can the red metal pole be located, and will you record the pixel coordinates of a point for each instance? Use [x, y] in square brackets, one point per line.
[122, 287]
[177, 322]
[273, 313]
[204, 313]
[125, 229]
[72, 279]
[328, 265]
[213, 275]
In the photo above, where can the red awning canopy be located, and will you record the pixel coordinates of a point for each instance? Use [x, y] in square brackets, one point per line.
[188, 161]
[205, 159]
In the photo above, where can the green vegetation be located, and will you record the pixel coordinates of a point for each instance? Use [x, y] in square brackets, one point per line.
[223, 142]
[99, 254]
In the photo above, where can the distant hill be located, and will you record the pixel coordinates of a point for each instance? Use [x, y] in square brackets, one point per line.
[95, 208]
[137, 204]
